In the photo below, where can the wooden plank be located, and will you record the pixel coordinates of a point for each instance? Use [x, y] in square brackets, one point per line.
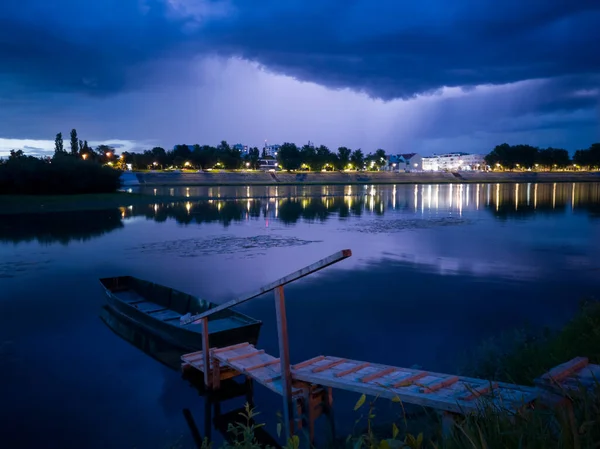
[319, 265]
[372, 389]
[565, 370]
[318, 369]
[308, 362]
[191, 355]
[244, 356]
[231, 348]
[284, 356]
[408, 381]
[352, 370]
[197, 358]
[157, 311]
[272, 379]
[439, 384]
[474, 393]
[378, 374]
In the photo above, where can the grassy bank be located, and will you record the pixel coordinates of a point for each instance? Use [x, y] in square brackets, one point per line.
[543, 427]
[22, 204]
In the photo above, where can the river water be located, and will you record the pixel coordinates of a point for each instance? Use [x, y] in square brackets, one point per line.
[435, 270]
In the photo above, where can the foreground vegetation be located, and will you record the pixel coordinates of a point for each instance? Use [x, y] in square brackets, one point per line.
[523, 359]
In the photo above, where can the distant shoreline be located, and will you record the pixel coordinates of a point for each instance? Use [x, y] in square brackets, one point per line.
[241, 178]
[23, 204]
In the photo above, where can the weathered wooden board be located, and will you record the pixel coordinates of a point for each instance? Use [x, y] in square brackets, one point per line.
[440, 391]
[575, 374]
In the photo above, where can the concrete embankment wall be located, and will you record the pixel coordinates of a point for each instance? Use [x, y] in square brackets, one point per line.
[266, 178]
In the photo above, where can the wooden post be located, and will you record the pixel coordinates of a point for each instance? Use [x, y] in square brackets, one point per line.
[193, 428]
[249, 391]
[329, 412]
[206, 353]
[208, 404]
[284, 356]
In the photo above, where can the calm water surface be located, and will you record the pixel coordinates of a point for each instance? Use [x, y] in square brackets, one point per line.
[435, 269]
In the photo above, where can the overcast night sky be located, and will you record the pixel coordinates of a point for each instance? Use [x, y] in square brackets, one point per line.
[426, 76]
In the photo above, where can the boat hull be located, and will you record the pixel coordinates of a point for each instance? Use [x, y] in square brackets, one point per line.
[188, 337]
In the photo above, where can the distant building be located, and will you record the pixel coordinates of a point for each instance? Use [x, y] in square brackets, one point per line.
[244, 149]
[394, 162]
[413, 162]
[406, 162]
[271, 150]
[453, 162]
[268, 165]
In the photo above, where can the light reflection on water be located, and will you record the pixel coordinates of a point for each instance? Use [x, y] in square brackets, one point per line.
[378, 198]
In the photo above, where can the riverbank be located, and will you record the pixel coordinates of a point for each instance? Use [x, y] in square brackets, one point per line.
[236, 178]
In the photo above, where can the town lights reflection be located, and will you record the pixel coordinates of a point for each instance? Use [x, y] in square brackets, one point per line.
[500, 199]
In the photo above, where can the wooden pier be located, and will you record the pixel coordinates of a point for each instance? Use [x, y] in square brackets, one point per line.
[306, 387]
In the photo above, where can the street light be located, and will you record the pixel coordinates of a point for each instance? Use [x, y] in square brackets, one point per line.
[84, 156]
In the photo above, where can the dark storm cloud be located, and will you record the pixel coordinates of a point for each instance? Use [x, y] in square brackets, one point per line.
[95, 47]
[399, 50]
[386, 49]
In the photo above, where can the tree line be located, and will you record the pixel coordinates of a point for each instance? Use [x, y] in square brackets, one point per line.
[289, 157]
[307, 157]
[80, 170]
[517, 157]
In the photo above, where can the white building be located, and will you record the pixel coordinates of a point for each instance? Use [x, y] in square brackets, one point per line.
[453, 162]
[413, 162]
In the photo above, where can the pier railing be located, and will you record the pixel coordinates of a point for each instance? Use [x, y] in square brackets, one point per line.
[282, 330]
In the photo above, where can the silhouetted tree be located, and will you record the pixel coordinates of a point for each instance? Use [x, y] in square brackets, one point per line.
[16, 154]
[380, 158]
[343, 157]
[517, 156]
[308, 156]
[253, 157]
[553, 158]
[58, 144]
[289, 156]
[74, 142]
[324, 158]
[358, 159]
[589, 158]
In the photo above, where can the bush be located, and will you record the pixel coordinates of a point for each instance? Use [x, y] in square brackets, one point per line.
[64, 174]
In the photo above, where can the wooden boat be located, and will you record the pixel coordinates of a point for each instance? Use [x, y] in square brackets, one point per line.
[160, 349]
[159, 309]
